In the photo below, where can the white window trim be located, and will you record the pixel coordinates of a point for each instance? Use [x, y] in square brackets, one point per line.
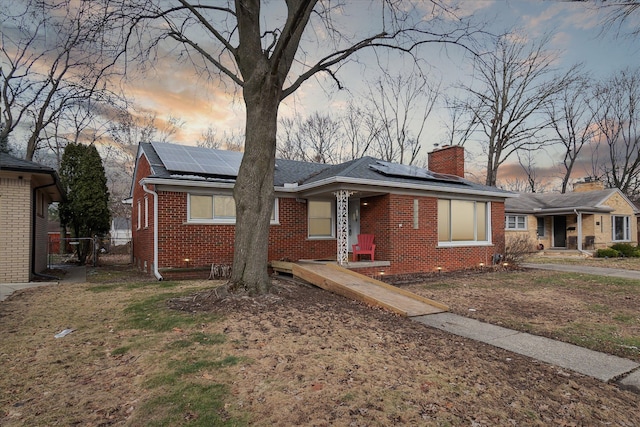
[460, 243]
[626, 228]
[225, 221]
[517, 228]
[146, 212]
[333, 222]
[139, 222]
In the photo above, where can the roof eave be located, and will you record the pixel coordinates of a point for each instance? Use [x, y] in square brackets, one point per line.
[561, 211]
[386, 185]
[390, 185]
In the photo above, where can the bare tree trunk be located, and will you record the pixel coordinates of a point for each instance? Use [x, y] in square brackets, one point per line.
[253, 191]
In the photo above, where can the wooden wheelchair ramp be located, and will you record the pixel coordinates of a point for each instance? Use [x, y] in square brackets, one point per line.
[350, 284]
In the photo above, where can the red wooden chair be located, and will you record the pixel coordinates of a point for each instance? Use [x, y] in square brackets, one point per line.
[365, 246]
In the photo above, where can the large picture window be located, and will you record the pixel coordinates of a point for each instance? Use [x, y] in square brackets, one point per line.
[620, 228]
[516, 222]
[217, 208]
[463, 222]
[321, 219]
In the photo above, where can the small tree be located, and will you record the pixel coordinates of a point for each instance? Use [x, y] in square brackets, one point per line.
[86, 208]
[518, 247]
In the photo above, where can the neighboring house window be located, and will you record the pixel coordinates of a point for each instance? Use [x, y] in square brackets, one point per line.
[321, 219]
[620, 228]
[541, 232]
[516, 222]
[463, 222]
[219, 209]
[146, 212]
[139, 222]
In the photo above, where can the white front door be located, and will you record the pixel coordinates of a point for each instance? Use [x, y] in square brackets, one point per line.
[354, 221]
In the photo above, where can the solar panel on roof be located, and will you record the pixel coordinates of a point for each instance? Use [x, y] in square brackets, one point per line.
[415, 172]
[198, 160]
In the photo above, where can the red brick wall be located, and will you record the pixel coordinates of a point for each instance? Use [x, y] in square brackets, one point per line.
[142, 239]
[388, 217]
[206, 244]
[449, 160]
[288, 240]
[374, 219]
[410, 250]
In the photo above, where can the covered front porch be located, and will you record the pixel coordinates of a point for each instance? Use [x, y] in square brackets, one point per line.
[578, 230]
[354, 212]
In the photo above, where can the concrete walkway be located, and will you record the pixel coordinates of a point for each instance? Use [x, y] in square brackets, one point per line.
[74, 274]
[602, 366]
[598, 365]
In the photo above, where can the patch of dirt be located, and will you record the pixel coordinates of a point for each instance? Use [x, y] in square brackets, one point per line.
[308, 357]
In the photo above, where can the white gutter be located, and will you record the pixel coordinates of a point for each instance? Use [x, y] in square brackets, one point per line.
[155, 229]
[336, 180]
[395, 185]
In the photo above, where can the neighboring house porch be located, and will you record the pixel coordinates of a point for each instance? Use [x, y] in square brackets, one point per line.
[589, 218]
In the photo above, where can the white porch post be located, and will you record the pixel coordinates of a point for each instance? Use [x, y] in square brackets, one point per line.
[342, 201]
[579, 246]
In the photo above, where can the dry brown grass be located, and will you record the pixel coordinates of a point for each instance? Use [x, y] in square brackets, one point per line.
[301, 356]
[618, 263]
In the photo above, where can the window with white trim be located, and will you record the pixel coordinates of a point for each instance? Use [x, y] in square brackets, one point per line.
[620, 228]
[146, 212]
[515, 222]
[139, 215]
[321, 216]
[463, 222]
[217, 209]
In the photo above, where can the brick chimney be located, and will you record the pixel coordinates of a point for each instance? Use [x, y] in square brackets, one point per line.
[448, 159]
[589, 184]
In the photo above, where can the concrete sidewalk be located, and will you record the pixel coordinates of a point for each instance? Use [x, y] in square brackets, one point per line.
[598, 365]
[602, 366]
[598, 271]
[74, 274]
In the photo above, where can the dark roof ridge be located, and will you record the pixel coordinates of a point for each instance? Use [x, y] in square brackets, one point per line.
[353, 164]
[12, 163]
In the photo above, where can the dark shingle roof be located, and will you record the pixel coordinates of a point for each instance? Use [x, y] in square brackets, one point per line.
[294, 171]
[8, 162]
[157, 167]
[537, 202]
[366, 169]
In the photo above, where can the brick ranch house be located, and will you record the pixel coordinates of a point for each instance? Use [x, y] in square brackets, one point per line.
[26, 190]
[591, 217]
[423, 220]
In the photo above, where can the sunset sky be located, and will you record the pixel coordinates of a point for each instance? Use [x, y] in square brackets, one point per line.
[172, 89]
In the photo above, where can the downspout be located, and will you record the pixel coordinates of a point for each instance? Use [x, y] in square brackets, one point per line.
[34, 216]
[155, 231]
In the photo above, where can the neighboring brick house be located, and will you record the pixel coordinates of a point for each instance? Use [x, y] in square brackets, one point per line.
[183, 212]
[26, 190]
[591, 217]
